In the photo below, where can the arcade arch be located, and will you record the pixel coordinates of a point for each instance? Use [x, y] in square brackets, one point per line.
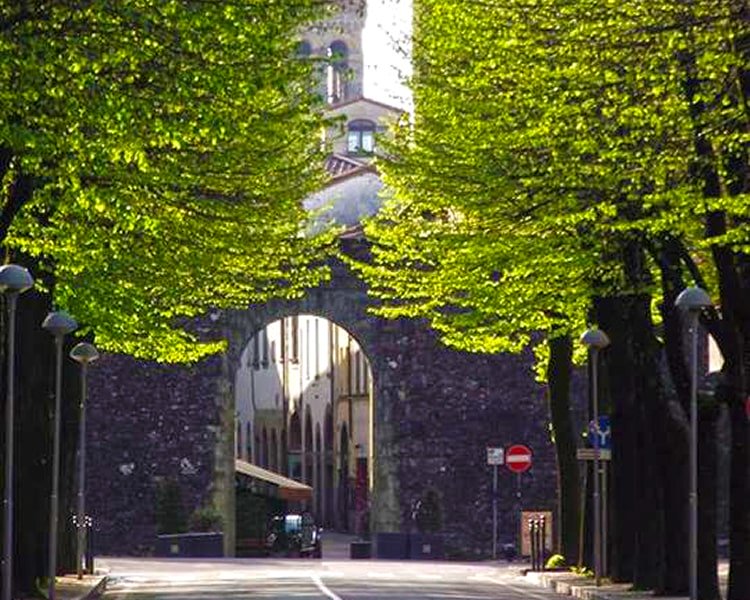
[305, 379]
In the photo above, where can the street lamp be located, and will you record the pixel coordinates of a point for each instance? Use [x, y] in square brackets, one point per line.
[83, 353]
[693, 300]
[596, 340]
[59, 324]
[14, 280]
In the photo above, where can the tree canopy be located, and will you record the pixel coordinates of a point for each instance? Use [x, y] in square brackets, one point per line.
[154, 156]
[564, 151]
[549, 139]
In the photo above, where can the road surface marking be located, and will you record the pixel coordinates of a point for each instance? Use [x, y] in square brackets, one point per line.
[322, 587]
[518, 590]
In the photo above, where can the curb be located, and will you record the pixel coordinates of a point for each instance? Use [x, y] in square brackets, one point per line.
[91, 587]
[576, 586]
[97, 591]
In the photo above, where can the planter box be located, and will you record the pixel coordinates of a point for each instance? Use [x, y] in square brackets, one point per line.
[191, 545]
[426, 546]
[360, 549]
[393, 546]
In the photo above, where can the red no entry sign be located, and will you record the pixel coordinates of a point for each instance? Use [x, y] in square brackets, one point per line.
[518, 458]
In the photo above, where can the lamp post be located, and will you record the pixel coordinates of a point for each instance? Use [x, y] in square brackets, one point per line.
[14, 280]
[595, 340]
[83, 353]
[693, 300]
[59, 324]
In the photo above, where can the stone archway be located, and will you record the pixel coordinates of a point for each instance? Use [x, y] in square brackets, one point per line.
[345, 303]
[434, 412]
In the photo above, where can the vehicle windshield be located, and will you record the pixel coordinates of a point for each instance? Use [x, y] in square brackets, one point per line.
[292, 523]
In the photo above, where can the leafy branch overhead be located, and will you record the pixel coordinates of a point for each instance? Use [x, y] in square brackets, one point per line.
[154, 157]
[551, 147]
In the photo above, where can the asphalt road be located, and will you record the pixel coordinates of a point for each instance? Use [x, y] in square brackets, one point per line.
[191, 579]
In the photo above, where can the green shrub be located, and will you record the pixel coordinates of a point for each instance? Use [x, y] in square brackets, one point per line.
[584, 571]
[205, 519]
[555, 561]
[170, 512]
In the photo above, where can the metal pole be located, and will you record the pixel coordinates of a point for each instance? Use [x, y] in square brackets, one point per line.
[694, 456]
[520, 517]
[605, 566]
[81, 531]
[693, 299]
[53, 513]
[8, 494]
[597, 504]
[494, 512]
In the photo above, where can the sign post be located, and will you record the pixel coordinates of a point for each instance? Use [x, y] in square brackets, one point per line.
[495, 457]
[601, 432]
[518, 460]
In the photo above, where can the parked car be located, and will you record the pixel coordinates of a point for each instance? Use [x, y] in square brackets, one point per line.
[294, 535]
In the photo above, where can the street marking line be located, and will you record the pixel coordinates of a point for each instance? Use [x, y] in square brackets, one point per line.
[322, 587]
[518, 590]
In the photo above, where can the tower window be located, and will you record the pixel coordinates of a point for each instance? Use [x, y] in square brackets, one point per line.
[338, 65]
[361, 137]
[304, 50]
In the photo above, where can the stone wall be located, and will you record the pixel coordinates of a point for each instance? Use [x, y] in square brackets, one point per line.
[146, 422]
[453, 405]
[436, 411]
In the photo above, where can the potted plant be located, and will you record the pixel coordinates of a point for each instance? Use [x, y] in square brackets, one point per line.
[427, 542]
[199, 536]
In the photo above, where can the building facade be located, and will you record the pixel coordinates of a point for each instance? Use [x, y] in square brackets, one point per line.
[303, 409]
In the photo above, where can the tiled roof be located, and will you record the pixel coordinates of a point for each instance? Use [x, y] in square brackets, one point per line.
[339, 165]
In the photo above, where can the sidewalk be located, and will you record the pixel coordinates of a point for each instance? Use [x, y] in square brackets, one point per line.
[88, 588]
[570, 584]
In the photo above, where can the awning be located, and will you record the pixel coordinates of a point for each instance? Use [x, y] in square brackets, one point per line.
[286, 489]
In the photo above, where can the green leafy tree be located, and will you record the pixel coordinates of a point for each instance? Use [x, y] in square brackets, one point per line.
[557, 166]
[153, 160]
[154, 157]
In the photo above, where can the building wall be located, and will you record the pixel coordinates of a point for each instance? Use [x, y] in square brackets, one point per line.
[363, 109]
[290, 368]
[346, 26]
[147, 423]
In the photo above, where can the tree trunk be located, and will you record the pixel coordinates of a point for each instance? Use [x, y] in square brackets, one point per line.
[735, 298]
[558, 378]
[708, 577]
[34, 411]
[634, 386]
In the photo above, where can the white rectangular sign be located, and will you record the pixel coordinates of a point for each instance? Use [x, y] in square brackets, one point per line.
[588, 454]
[495, 456]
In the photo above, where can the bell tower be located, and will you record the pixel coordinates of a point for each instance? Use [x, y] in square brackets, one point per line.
[339, 40]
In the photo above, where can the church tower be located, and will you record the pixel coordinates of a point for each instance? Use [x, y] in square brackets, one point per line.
[339, 39]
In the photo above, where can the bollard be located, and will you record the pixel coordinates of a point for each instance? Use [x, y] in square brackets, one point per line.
[89, 558]
[542, 544]
[531, 543]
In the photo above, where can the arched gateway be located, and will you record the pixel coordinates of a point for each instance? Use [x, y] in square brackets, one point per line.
[435, 412]
[344, 302]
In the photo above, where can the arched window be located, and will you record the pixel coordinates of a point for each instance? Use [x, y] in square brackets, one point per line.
[256, 349]
[264, 453]
[274, 462]
[304, 49]
[360, 137]
[338, 65]
[238, 441]
[249, 442]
